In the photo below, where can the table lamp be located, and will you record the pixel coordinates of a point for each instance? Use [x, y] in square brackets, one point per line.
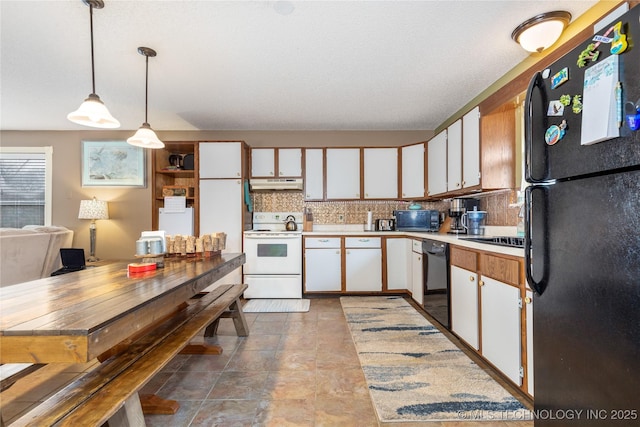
[93, 209]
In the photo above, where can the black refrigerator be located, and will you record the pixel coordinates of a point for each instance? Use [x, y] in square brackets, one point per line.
[582, 230]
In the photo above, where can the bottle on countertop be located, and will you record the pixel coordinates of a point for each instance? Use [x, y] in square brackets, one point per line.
[307, 219]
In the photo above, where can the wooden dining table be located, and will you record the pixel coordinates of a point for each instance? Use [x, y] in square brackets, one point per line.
[76, 317]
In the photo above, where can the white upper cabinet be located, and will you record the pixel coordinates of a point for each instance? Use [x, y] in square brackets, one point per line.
[380, 173]
[437, 164]
[343, 173]
[413, 171]
[471, 148]
[313, 174]
[454, 156]
[263, 162]
[220, 159]
[290, 162]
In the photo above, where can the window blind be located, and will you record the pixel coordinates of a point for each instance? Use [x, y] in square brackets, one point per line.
[22, 189]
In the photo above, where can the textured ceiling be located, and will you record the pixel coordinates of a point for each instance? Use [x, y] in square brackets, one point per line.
[267, 65]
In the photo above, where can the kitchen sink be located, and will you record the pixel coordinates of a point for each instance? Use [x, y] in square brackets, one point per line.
[510, 241]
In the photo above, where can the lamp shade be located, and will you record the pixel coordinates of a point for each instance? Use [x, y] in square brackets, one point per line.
[145, 137]
[94, 113]
[541, 31]
[93, 209]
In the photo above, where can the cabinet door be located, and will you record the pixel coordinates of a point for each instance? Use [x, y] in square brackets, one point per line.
[290, 162]
[471, 148]
[437, 164]
[380, 173]
[464, 305]
[529, 319]
[343, 173]
[263, 162]
[501, 326]
[413, 171]
[454, 156]
[398, 264]
[364, 269]
[417, 279]
[323, 270]
[313, 174]
[221, 210]
[220, 159]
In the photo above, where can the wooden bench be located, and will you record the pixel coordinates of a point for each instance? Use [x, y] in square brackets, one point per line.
[12, 372]
[110, 392]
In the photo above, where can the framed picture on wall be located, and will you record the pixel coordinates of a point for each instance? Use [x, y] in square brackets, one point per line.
[113, 164]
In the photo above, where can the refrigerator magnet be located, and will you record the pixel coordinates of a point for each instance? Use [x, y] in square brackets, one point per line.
[576, 107]
[560, 77]
[555, 133]
[556, 108]
[590, 54]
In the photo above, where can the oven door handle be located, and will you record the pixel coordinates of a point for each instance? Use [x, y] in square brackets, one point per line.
[271, 236]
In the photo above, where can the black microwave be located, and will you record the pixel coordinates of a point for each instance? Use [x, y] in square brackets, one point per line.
[417, 220]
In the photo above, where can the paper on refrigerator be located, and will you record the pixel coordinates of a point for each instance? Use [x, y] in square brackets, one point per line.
[599, 103]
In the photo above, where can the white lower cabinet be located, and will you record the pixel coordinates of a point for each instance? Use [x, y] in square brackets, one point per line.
[398, 264]
[363, 264]
[322, 265]
[464, 305]
[500, 308]
[417, 272]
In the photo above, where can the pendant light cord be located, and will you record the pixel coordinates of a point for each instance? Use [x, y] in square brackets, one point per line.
[93, 76]
[146, 88]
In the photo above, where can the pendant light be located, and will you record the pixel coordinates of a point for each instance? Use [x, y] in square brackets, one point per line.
[92, 111]
[145, 136]
[541, 31]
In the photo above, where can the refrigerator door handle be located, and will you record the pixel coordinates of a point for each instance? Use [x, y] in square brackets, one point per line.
[537, 286]
[536, 82]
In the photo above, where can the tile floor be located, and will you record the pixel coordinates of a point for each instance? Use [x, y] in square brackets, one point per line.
[295, 369]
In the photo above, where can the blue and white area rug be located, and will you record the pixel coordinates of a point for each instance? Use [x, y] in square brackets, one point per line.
[415, 373]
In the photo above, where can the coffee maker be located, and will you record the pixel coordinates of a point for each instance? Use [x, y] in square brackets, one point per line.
[458, 207]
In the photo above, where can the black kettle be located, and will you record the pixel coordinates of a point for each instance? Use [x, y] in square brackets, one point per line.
[290, 223]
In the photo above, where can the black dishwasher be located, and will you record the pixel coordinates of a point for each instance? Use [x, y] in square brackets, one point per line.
[436, 280]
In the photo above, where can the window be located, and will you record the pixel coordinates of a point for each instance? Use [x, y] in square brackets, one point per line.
[25, 186]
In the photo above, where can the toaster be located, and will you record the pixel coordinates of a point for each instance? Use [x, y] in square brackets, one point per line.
[385, 225]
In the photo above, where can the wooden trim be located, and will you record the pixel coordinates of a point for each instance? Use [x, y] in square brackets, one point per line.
[463, 258]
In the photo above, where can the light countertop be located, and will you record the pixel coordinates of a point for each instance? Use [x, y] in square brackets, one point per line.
[443, 236]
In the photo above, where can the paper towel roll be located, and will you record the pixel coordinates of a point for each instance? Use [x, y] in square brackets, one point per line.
[369, 226]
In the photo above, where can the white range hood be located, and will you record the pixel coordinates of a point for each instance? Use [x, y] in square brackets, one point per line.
[276, 184]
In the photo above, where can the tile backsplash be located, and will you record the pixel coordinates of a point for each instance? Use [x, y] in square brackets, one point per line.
[500, 207]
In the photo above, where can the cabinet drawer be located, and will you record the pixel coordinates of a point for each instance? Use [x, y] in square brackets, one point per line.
[416, 246]
[463, 258]
[362, 242]
[502, 269]
[322, 242]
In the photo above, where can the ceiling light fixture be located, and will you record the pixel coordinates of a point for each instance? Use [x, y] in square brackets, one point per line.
[541, 31]
[145, 136]
[92, 111]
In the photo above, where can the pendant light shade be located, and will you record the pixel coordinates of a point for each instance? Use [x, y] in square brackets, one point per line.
[145, 136]
[541, 31]
[92, 111]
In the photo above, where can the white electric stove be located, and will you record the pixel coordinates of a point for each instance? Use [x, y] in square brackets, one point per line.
[273, 268]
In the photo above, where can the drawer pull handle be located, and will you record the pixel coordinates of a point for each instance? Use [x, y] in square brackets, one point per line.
[363, 240]
[323, 240]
